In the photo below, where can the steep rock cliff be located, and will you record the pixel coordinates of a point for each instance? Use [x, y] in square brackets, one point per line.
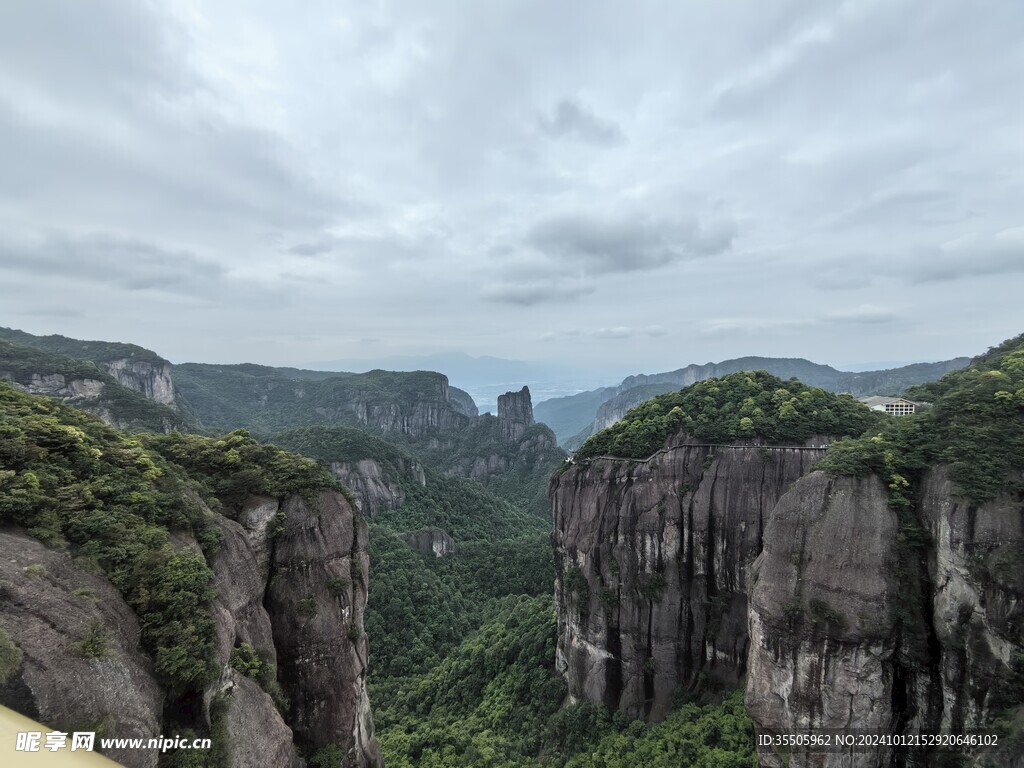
[376, 484]
[137, 404]
[409, 404]
[316, 598]
[515, 413]
[850, 630]
[651, 560]
[150, 378]
[430, 542]
[81, 667]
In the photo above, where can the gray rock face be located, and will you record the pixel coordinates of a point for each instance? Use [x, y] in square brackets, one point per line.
[316, 598]
[821, 649]
[651, 565]
[290, 581]
[151, 379]
[430, 542]
[47, 607]
[57, 385]
[463, 402]
[418, 415]
[977, 578]
[377, 489]
[259, 737]
[515, 413]
[253, 724]
[840, 640]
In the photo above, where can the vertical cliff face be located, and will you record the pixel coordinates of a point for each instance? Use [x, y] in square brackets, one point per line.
[850, 629]
[515, 413]
[977, 576]
[316, 597]
[431, 541]
[152, 379]
[822, 649]
[651, 563]
[291, 583]
[378, 488]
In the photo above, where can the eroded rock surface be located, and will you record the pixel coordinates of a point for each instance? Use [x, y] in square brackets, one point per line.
[651, 567]
[81, 666]
[316, 599]
[851, 629]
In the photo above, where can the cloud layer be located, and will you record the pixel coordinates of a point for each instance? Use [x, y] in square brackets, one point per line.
[637, 190]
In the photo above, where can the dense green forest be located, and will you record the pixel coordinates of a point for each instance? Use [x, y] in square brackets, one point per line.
[749, 404]
[95, 351]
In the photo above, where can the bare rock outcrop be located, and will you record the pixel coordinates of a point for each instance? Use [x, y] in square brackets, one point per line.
[651, 563]
[853, 626]
[430, 542]
[81, 667]
[377, 488]
[316, 598]
[515, 413]
[152, 379]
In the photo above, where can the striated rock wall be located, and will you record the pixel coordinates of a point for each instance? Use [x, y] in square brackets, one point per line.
[291, 582]
[850, 629]
[651, 567]
[430, 542]
[152, 379]
[821, 640]
[376, 488]
[57, 385]
[515, 413]
[316, 597]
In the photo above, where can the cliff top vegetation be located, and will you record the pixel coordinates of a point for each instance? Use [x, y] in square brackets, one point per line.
[130, 409]
[96, 351]
[975, 427]
[112, 501]
[748, 404]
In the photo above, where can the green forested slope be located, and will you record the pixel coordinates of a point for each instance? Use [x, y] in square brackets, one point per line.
[741, 405]
[95, 351]
[975, 427]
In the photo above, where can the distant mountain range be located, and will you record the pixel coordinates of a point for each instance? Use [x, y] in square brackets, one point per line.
[573, 418]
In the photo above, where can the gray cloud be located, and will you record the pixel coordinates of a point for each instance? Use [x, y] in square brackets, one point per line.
[621, 243]
[970, 256]
[477, 175]
[530, 294]
[117, 261]
[618, 332]
[573, 121]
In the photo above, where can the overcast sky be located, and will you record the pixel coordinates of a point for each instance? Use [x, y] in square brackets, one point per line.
[633, 186]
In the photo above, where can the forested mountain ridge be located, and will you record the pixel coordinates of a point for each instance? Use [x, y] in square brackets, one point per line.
[875, 584]
[267, 400]
[117, 391]
[576, 417]
[134, 367]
